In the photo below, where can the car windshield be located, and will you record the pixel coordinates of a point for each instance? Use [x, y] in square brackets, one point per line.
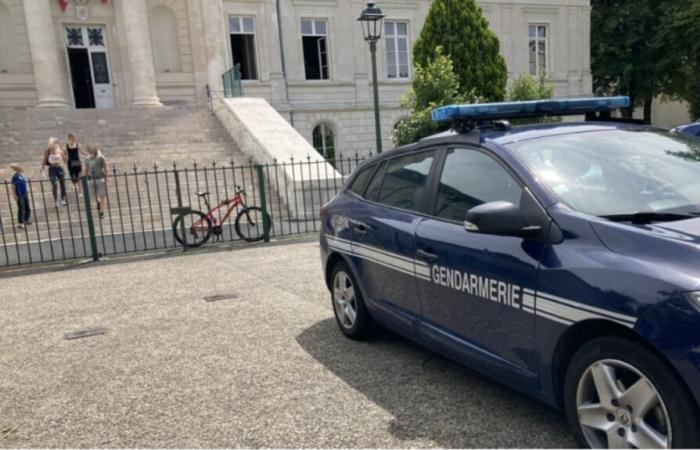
[618, 172]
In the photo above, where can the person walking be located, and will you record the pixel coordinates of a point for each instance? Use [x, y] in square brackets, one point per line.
[20, 191]
[54, 159]
[75, 166]
[96, 170]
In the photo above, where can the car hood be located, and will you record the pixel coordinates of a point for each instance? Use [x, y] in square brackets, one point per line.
[675, 245]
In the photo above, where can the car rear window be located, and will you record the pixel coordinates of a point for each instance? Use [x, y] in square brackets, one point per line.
[361, 180]
[404, 181]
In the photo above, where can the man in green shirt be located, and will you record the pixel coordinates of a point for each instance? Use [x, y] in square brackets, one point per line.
[96, 166]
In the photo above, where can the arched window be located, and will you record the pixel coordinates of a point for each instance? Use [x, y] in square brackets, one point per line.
[324, 141]
[166, 44]
[7, 44]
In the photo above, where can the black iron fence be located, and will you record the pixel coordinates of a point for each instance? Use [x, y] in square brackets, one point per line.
[140, 206]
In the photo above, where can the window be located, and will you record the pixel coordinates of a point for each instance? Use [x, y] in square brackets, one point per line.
[373, 189]
[471, 178]
[314, 36]
[242, 31]
[360, 183]
[404, 181]
[538, 49]
[397, 50]
[324, 141]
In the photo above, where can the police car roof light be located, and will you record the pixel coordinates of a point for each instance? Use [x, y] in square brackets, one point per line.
[534, 108]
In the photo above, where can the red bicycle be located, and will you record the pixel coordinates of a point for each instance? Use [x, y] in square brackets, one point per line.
[252, 223]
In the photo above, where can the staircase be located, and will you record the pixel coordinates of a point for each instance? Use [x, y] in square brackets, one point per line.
[127, 137]
[139, 201]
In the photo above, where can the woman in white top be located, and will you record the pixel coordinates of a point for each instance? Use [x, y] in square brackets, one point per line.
[54, 157]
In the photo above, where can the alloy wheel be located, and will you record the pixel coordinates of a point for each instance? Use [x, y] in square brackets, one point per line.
[619, 407]
[344, 300]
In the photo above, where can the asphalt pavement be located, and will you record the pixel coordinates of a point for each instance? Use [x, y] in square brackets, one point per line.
[267, 368]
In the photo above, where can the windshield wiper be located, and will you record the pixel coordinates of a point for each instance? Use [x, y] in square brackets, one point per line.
[645, 217]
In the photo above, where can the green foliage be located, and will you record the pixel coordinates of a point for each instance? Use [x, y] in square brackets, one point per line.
[526, 87]
[459, 27]
[646, 48]
[434, 85]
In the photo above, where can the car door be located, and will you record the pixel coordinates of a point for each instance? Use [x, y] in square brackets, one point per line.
[478, 302]
[383, 238]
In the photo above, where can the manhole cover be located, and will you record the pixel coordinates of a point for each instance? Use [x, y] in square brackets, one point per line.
[85, 333]
[220, 297]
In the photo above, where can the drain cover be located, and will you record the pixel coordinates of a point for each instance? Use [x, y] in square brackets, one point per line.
[85, 333]
[218, 298]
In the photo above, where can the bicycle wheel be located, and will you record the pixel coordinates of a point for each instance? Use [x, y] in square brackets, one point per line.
[198, 228]
[251, 223]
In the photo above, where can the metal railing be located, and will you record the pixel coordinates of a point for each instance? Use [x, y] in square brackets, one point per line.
[139, 206]
[233, 87]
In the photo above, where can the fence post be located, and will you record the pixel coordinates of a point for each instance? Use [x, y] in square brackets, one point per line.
[178, 193]
[263, 202]
[90, 221]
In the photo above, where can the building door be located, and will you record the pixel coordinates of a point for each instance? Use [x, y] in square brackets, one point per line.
[79, 62]
[89, 67]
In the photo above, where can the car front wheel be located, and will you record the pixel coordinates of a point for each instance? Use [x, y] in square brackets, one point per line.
[618, 394]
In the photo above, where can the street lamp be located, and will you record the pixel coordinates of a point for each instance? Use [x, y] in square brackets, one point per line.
[372, 21]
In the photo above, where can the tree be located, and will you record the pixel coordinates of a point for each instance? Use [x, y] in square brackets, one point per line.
[680, 37]
[625, 51]
[527, 87]
[459, 27]
[434, 84]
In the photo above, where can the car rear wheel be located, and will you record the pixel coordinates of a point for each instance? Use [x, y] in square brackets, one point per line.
[348, 305]
[618, 394]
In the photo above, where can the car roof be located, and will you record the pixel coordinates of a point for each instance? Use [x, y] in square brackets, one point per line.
[502, 137]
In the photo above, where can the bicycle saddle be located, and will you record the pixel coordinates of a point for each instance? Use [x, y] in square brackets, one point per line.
[202, 194]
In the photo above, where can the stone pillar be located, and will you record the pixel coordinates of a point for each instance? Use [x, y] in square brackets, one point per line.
[48, 72]
[138, 40]
[214, 32]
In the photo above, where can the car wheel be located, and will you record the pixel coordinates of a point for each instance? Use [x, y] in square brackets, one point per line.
[348, 305]
[618, 394]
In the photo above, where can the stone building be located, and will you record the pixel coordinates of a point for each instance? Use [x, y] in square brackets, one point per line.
[305, 57]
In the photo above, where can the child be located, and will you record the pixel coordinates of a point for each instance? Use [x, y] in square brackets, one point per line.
[20, 192]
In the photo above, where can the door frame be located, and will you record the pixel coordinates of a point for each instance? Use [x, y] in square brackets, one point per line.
[83, 26]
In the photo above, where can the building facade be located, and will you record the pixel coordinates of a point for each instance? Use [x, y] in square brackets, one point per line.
[306, 57]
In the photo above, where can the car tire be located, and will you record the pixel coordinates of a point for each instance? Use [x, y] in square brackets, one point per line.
[602, 416]
[349, 308]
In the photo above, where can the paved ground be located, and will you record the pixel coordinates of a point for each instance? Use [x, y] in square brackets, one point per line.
[268, 369]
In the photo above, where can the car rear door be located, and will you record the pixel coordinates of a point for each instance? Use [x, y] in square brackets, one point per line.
[383, 238]
[479, 300]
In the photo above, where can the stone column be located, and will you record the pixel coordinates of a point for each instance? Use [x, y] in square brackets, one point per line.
[214, 32]
[48, 72]
[138, 40]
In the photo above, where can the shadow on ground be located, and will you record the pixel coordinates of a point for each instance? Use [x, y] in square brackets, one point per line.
[431, 397]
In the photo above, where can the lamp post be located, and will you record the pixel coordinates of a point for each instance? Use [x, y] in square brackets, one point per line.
[372, 21]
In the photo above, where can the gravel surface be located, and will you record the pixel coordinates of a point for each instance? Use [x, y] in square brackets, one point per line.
[266, 369]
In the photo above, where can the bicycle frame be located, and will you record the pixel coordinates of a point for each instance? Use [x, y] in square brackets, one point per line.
[230, 205]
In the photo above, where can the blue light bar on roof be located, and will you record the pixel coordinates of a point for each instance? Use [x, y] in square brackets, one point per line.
[535, 108]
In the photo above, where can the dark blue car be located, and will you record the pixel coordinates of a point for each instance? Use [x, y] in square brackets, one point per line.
[689, 128]
[560, 259]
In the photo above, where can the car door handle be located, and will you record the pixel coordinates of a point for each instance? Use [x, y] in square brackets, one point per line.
[427, 255]
[361, 228]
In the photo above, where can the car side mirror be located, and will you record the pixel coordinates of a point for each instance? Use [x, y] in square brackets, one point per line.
[500, 218]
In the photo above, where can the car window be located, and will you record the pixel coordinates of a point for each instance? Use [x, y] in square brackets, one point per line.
[471, 178]
[360, 182]
[404, 181]
[374, 185]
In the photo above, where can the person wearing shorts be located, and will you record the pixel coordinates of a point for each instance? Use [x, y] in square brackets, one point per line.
[96, 170]
[75, 166]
